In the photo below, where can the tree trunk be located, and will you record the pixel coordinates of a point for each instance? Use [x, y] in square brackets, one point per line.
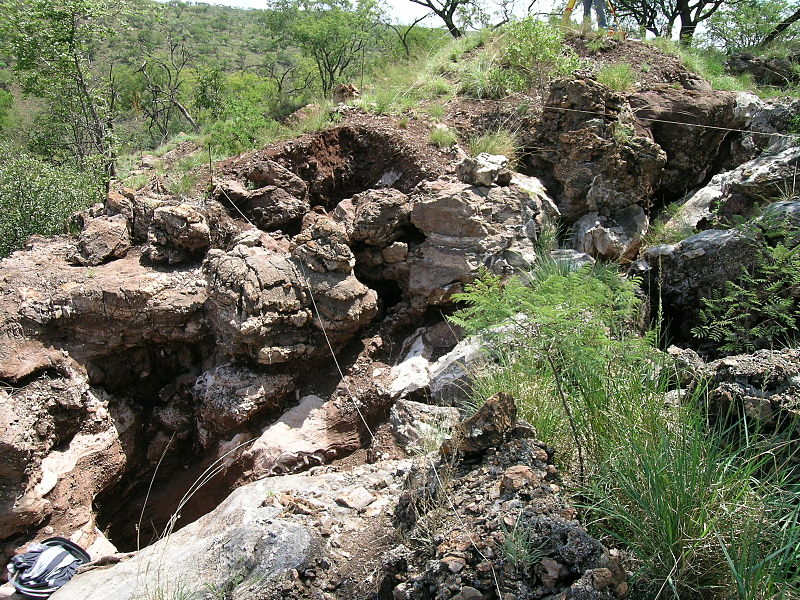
[688, 27]
[779, 29]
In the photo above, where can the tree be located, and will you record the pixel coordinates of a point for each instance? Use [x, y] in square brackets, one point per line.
[53, 44]
[660, 16]
[750, 24]
[163, 81]
[780, 28]
[446, 10]
[334, 33]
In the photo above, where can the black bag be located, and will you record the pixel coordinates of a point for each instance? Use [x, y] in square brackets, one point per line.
[45, 567]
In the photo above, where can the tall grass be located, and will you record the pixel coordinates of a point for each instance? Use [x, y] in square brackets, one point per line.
[499, 141]
[703, 510]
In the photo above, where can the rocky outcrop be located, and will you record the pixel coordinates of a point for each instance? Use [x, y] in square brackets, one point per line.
[690, 126]
[260, 301]
[596, 158]
[763, 387]
[467, 228]
[780, 71]
[62, 444]
[230, 397]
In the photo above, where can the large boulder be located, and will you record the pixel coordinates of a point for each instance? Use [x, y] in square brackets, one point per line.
[102, 240]
[468, 228]
[263, 303]
[230, 397]
[177, 234]
[690, 126]
[375, 217]
[692, 269]
[269, 207]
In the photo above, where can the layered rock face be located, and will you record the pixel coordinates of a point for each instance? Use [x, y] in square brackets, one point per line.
[194, 320]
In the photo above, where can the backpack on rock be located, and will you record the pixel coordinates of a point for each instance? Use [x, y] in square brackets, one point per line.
[45, 567]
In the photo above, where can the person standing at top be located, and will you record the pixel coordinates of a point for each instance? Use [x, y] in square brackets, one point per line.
[599, 8]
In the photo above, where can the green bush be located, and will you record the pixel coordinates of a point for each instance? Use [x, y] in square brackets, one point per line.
[443, 137]
[536, 49]
[37, 197]
[698, 515]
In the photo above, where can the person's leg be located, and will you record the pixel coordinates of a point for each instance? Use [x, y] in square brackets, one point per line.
[600, 9]
[587, 8]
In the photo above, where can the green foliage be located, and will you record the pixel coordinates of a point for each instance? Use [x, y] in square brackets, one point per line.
[332, 32]
[53, 44]
[537, 50]
[760, 309]
[701, 517]
[443, 137]
[500, 141]
[619, 77]
[36, 197]
[739, 27]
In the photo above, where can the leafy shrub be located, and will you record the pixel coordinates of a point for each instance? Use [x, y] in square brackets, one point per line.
[759, 310]
[37, 197]
[537, 50]
[619, 77]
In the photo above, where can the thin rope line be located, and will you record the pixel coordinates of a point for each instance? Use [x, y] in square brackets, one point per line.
[653, 120]
[333, 354]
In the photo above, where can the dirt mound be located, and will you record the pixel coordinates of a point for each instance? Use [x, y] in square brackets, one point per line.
[342, 161]
[650, 65]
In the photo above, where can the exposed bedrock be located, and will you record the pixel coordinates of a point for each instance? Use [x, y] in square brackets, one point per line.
[260, 301]
[62, 443]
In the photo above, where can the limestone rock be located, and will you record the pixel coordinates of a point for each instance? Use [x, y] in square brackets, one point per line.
[177, 234]
[491, 426]
[231, 396]
[103, 239]
[468, 228]
[420, 427]
[375, 216]
[312, 433]
[615, 237]
[260, 306]
[668, 113]
[281, 200]
[92, 314]
[484, 170]
[62, 445]
[763, 387]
